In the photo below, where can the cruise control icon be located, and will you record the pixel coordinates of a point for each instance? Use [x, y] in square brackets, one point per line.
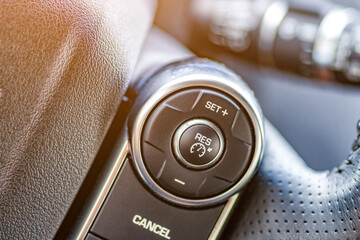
[198, 148]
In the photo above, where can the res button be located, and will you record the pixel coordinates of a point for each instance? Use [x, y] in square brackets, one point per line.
[198, 143]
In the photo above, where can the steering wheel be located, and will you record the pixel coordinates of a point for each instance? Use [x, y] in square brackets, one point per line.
[288, 200]
[65, 67]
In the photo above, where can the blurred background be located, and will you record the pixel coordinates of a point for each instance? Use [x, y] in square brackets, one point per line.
[314, 104]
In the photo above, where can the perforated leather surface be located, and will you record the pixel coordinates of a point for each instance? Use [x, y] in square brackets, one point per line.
[64, 66]
[288, 200]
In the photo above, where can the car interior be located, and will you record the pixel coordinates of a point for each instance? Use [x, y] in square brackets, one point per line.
[184, 119]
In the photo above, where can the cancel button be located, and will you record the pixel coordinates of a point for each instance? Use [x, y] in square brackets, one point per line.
[132, 212]
[151, 226]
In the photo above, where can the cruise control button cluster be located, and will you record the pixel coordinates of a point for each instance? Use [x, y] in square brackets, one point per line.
[197, 143]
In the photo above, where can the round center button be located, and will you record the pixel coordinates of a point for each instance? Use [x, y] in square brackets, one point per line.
[198, 143]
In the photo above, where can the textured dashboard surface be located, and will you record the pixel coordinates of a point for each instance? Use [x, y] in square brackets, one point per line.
[288, 200]
[64, 66]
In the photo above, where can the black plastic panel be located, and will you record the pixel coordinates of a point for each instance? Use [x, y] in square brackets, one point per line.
[129, 203]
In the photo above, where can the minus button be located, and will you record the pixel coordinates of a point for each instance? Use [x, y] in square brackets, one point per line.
[179, 181]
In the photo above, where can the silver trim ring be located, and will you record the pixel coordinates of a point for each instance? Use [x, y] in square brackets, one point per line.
[239, 92]
[179, 132]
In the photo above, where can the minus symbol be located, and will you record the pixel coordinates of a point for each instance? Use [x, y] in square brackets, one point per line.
[179, 181]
